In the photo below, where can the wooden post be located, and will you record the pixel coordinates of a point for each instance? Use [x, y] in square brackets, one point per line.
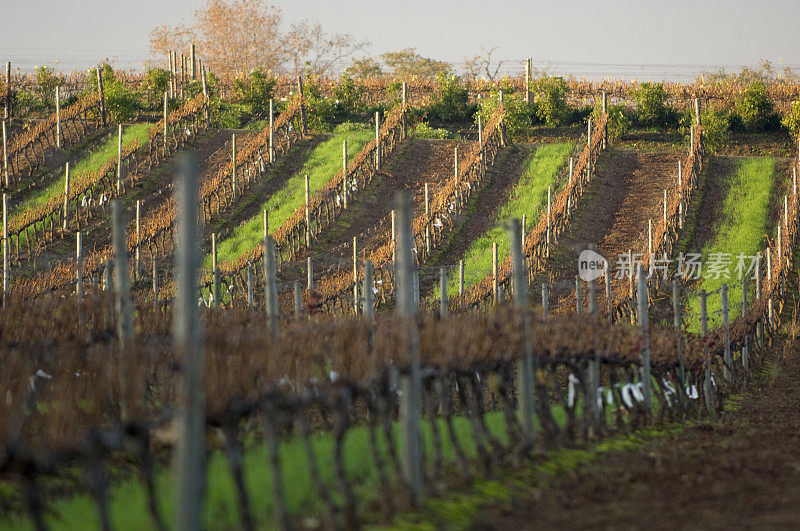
[6, 250]
[589, 132]
[726, 326]
[171, 75]
[410, 383]
[298, 299]
[480, 144]
[205, 95]
[270, 284]
[58, 117]
[495, 280]
[650, 239]
[631, 280]
[377, 140]
[644, 324]
[309, 274]
[677, 320]
[271, 132]
[525, 369]
[746, 346]
[760, 327]
[266, 223]
[665, 207]
[188, 337]
[119, 159]
[461, 281]
[549, 217]
[455, 164]
[394, 238]
[368, 299]
[302, 105]
[528, 62]
[355, 275]
[770, 314]
[155, 280]
[79, 266]
[137, 255]
[578, 296]
[344, 174]
[108, 276]
[604, 132]
[102, 95]
[503, 140]
[183, 68]
[443, 291]
[7, 113]
[122, 280]
[308, 213]
[166, 124]
[545, 300]
[697, 111]
[233, 165]
[215, 292]
[427, 201]
[609, 306]
[194, 62]
[250, 287]
[5, 155]
[707, 388]
[404, 91]
[65, 224]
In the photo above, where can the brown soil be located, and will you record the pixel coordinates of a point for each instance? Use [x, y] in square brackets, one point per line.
[502, 176]
[740, 472]
[153, 190]
[628, 191]
[415, 163]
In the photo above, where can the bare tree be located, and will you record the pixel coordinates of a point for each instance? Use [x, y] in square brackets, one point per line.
[482, 64]
[236, 36]
[309, 48]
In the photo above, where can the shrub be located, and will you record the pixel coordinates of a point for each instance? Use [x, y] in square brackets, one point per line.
[716, 128]
[229, 115]
[792, 119]
[349, 96]
[451, 100]
[518, 116]
[156, 83]
[424, 130]
[651, 108]
[754, 109]
[551, 101]
[255, 90]
[122, 103]
[46, 83]
[619, 119]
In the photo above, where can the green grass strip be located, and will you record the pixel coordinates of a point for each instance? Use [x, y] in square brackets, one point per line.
[87, 164]
[322, 165]
[529, 197]
[741, 226]
[128, 497]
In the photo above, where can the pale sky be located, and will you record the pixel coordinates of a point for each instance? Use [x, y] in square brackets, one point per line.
[654, 40]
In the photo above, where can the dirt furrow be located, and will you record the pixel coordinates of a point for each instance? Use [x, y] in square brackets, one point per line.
[628, 190]
[712, 475]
